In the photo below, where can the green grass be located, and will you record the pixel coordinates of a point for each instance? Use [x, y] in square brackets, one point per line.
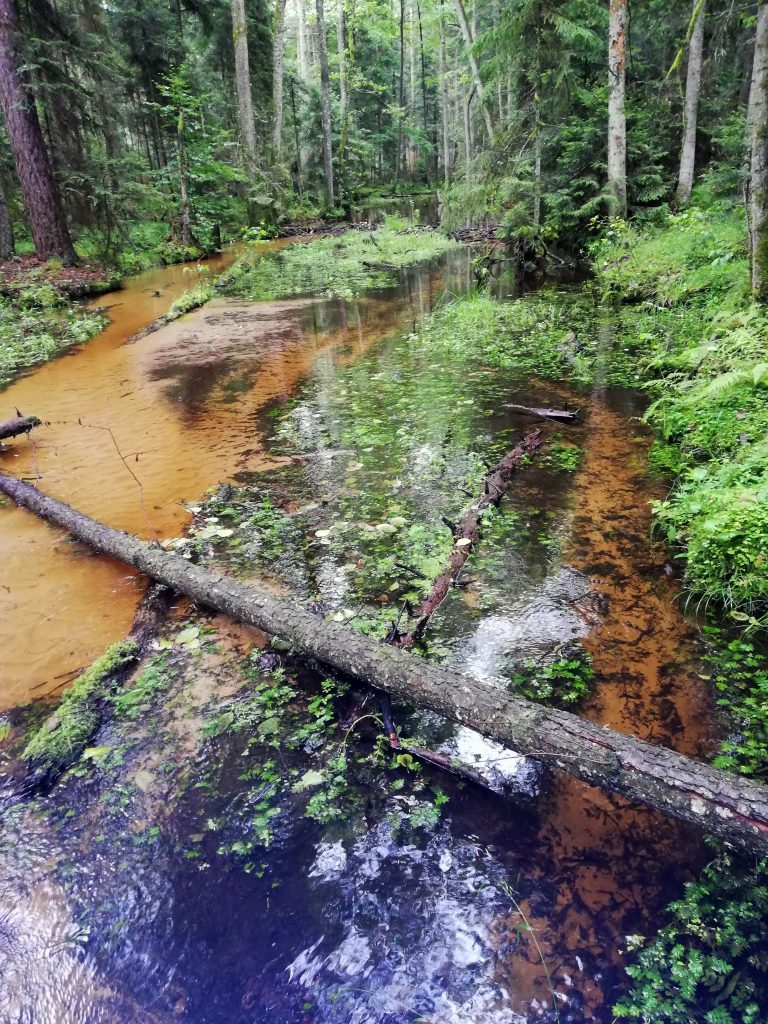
[344, 265]
[37, 325]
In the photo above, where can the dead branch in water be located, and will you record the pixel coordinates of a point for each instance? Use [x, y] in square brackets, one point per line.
[560, 415]
[18, 425]
[466, 535]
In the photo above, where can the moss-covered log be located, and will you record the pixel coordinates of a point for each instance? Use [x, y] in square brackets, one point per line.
[732, 808]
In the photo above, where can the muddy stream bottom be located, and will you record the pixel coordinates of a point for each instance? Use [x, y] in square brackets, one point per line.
[237, 845]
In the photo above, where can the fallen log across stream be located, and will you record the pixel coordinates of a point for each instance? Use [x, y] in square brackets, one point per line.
[727, 806]
[18, 425]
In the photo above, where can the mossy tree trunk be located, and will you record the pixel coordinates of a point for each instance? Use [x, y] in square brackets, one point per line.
[325, 99]
[278, 59]
[243, 84]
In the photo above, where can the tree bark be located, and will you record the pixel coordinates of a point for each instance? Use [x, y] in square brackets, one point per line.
[325, 97]
[18, 425]
[341, 43]
[278, 57]
[617, 121]
[40, 192]
[6, 227]
[469, 41]
[758, 171]
[691, 105]
[243, 83]
[729, 807]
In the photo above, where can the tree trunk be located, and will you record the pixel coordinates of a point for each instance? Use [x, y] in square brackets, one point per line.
[758, 171]
[617, 121]
[341, 43]
[399, 141]
[469, 42]
[6, 227]
[243, 84]
[325, 95]
[278, 56]
[296, 140]
[732, 808]
[185, 235]
[442, 69]
[467, 112]
[691, 106]
[39, 190]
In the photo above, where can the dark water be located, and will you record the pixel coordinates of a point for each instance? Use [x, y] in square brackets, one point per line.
[140, 888]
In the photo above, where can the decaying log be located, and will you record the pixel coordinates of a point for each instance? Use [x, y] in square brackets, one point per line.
[732, 808]
[18, 425]
[465, 535]
[560, 415]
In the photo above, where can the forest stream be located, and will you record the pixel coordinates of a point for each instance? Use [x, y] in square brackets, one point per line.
[136, 892]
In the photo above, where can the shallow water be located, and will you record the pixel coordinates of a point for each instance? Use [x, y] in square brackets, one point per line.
[125, 896]
[134, 429]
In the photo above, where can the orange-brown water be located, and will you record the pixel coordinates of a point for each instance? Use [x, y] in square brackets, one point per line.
[132, 431]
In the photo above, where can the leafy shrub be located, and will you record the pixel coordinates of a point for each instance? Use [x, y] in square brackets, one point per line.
[710, 963]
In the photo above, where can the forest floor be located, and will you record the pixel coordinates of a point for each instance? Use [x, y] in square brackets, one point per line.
[24, 272]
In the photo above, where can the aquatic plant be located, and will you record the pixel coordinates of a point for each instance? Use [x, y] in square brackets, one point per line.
[344, 265]
[561, 682]
[710, 963]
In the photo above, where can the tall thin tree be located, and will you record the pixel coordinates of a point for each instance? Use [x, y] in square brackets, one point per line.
[469, 41]
[39, 190]
[442, 72]
[325, 99]
[243, 83]
[691, 105]
[278, 57]
[758, 171]
[617, 87]
[6, 226]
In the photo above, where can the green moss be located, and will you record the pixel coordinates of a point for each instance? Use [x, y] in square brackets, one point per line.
[66, 733]
[191, 300]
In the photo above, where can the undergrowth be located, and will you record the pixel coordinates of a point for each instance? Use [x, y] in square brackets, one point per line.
[37, 325]
[344, 265]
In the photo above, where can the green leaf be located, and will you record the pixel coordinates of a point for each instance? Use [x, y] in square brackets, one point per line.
[308, 780]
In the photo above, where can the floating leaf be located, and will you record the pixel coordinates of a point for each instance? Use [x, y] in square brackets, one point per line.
[96, 753]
